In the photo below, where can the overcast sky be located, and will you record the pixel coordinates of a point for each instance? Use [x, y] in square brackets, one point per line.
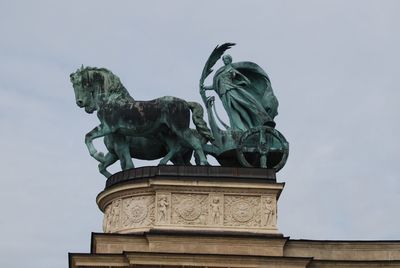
[334, 66]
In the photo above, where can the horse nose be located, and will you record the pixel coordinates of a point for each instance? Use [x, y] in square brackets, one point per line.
[79, 103]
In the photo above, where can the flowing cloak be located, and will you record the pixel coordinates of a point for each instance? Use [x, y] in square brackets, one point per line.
[248, 104]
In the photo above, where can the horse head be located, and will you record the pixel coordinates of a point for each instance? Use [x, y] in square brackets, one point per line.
[85, 82]
[93, 86]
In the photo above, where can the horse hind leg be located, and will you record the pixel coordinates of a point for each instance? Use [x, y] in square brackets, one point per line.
[190, 136]
[183, 157]
[125, 159]
[123, 152]
[171, 153]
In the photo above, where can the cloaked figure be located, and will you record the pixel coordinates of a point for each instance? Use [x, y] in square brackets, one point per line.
[246, 94]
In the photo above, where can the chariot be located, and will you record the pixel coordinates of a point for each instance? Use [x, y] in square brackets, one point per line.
[251, 139]
[260, 146]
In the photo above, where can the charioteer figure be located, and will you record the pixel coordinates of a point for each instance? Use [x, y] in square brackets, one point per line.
[250, 139]
[246, 94]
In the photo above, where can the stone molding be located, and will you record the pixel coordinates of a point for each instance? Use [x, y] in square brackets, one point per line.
[174, 249]
[159, 259]
[190, 172]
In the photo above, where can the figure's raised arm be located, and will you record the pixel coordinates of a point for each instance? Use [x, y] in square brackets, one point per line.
[212, 59]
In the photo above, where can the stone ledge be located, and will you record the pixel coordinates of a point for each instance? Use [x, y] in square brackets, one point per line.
[199, 172]
[344, 250]
[260, 245]
[159, 259]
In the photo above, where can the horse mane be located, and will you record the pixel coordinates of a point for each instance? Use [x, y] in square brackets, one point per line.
[112, 83]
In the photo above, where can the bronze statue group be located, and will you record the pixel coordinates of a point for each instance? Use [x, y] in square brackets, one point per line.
[159, 128]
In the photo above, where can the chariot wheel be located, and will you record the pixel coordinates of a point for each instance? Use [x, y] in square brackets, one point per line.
[263, 147]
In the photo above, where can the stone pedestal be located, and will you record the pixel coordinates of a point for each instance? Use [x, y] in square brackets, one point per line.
[197, 199]
[206, 217]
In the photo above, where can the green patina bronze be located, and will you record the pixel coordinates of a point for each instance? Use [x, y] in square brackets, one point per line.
[246, 94]
[140, 129]
[160, 128]
[245, 90]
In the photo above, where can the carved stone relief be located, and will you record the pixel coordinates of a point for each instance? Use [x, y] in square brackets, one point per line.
[189, 209]
[107, 219]
[215, 209]
[268, 204]
[128, 213]
[163, 208]
[242, 211]
[112, 216]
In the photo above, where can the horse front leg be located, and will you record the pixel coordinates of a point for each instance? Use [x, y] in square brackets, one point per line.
[109, 159]
[122, 149]
[97, 132]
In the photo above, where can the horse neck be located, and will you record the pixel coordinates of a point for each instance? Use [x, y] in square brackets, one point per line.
[119, 95]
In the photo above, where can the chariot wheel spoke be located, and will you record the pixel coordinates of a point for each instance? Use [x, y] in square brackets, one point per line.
[249, 149]
[262, 136]
[263, 161]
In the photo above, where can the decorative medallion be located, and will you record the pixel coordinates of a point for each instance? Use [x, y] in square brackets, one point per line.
[242, 211]
[138, 212]
[189, 209]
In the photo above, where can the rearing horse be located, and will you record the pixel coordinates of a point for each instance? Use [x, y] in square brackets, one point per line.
[164, 119]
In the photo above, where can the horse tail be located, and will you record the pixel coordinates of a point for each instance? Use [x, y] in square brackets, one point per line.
[197, 117]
